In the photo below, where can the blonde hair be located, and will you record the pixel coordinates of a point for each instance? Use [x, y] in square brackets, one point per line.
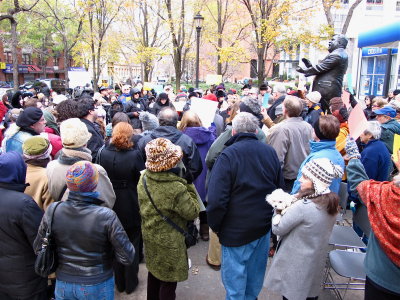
[190, 119]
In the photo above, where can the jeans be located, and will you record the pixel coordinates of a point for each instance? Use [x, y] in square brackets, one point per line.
[243, 269]
[75, 291]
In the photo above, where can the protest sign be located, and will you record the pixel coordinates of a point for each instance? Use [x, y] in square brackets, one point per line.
[205, 109]
[346, 99]
[213, 79]
[357, 122]
[179, 105]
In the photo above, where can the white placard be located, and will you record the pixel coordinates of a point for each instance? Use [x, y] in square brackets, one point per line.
[205, 109]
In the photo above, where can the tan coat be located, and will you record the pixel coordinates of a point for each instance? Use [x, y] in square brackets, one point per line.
[38, 187]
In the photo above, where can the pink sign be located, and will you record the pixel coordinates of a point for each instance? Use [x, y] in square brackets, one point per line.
[357, 122]
[346, 98]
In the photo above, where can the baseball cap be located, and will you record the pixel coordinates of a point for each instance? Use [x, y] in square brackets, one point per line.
[387, 111]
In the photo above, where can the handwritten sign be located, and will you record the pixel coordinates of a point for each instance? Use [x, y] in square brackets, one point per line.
[357, 122]
[213, 79]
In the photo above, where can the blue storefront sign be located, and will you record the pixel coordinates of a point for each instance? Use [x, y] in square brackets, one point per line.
[21, 69]
[377, 51]
[77, 69]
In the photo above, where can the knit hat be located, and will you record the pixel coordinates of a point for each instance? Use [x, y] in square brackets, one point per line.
[314, 97]
[82, 176]
[162, 155]
[321, 171]
[336, 103]
[36, 147]
[163, 96]
[251, 105]
[149, 121]
[211, 97]
[74, 133]
[29, 116]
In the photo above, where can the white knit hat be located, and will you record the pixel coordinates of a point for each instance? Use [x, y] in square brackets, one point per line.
[321, 171]
[74, 133]
[314, 97]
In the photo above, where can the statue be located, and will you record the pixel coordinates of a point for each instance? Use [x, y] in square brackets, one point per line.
[330, 72]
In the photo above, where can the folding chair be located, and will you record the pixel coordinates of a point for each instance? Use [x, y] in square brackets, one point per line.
[343, 197]
[349, 265]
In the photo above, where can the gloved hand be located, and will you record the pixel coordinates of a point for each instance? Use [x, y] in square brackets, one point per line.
[351, 148]
[306, 62]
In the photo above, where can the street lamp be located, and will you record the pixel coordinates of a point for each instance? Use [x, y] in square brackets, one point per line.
[198, 22]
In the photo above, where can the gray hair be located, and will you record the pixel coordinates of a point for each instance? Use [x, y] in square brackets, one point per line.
[168, 117]
[293, 106]
[279, 88]
[373, 128]
[245, 122]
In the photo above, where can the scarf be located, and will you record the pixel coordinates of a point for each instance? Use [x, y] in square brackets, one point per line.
[383, 203]
[51, 121]
[38, 162]
[71, 156]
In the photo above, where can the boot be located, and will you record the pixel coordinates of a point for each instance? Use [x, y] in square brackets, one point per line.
[204, 232]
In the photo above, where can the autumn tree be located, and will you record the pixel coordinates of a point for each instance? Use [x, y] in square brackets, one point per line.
[10, 10]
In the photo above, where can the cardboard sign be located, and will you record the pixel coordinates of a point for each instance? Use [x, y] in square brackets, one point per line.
[179, 105]
[213, 79]
[205, 109]
[357, 122]
[396, 147]
[346, 99]
[147, 86]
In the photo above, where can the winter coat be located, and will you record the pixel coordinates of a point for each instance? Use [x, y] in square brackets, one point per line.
[389, 129]
[313, 114]
[297, 267]
[219, 145]
[244, 173]
[158, 106]
[376, 160]
[57, 169]
[164, 247]
[135, 105]
[96, 141]
[88, 238]
[341, 138]
[14, 137]
[3, 111]
[19, 221]
[191, 155]
[203, 138]
[322, 149]
[38, 187]
[123, 168]
[290, 139]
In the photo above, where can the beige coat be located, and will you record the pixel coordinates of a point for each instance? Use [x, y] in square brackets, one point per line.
[38, 187]
[56, 175]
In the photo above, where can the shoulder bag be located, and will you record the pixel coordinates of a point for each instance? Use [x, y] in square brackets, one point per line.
[46, 260]
[190, 235]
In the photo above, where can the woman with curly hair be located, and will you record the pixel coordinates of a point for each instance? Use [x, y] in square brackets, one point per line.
[123, 164]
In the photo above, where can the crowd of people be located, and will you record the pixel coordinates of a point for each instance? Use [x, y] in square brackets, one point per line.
[121, 178]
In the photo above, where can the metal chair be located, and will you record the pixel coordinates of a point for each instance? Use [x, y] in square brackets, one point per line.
[345, 236]
[343, 197]
[349, 265]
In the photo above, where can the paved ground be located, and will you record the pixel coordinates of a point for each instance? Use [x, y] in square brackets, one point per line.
[205, 283]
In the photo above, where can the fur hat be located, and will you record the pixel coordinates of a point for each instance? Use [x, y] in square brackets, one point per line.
[251, 105]
[82, 176]
[149, 121]
[29, 116]
[74, 133]
[36, 147]
[321, 171]
[162, 155]
[314, 97]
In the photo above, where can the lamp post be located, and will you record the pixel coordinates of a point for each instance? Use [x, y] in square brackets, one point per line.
[198, 22]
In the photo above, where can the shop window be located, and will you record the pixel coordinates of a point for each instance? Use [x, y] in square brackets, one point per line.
[8, 57]
[26, 59]
[373, 71]
[56, 60]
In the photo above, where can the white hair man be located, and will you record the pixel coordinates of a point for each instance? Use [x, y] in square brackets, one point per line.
[244, 173]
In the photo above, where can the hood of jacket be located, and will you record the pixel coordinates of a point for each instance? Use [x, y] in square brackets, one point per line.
[199, 135]
[321, 145]
[12, 168]
[392, 125]
[169, 132]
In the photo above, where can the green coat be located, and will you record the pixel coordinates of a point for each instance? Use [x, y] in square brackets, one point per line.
[164, 246]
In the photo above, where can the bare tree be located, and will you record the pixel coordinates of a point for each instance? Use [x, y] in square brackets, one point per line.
[11, 16]
[328, 5]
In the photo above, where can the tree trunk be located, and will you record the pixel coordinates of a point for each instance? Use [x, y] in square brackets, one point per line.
[260, 65]
[349, 16]
[178, 71]
[14, 42]
[219, 64]
[146, 72]
[66, 64]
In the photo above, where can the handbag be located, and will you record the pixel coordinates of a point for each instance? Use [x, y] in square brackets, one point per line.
[46, 260]
[190, 235]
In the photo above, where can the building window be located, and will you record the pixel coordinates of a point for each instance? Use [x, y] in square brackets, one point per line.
[378, 2]
[398, 5]
[374, 4]
[56, 60]
[26, 59]
[8, 57]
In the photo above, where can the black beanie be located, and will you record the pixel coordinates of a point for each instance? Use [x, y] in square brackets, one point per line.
[318, 131]
[29, 116]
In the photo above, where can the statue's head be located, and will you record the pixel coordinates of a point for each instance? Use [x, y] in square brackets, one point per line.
[337, 41]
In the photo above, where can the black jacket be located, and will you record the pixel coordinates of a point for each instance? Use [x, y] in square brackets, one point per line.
[19, 221]
[123, 168]
[272, 109]
[88, 237]
[244, 173]
[191, 155]
[135, 105]
[96, 140]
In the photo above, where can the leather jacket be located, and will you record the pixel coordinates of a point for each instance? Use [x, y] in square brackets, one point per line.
[88, 237]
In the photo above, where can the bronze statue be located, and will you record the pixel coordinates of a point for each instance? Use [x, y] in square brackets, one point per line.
[329, 72]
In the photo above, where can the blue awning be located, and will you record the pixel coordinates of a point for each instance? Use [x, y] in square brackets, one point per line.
[387, 36]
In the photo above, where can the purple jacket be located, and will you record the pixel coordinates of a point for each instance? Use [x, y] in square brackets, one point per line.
[203, 139]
